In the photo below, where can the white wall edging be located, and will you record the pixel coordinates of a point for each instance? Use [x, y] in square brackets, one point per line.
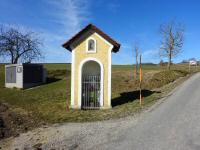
[110, 75]
[72, 78]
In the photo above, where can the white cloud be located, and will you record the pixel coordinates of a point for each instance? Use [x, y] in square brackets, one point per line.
[113, 7]
[151, 55]
[126, 46]
[70, 14]
[68, 17]
[61, 20]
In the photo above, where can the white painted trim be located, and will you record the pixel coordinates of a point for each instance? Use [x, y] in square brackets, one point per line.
[80, 80]
[11, 65]
[95, 45]
[102, 38]
[72, 77]
[110, 75]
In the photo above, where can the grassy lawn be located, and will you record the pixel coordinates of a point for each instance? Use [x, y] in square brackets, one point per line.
[48, 102]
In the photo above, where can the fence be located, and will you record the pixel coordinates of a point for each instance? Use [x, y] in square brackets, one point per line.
[91, 92]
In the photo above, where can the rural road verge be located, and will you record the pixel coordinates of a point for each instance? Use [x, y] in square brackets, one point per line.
[174, 125]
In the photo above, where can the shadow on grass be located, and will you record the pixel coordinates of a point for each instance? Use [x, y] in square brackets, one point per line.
[130, 97]
[57, 75]
[52, 79]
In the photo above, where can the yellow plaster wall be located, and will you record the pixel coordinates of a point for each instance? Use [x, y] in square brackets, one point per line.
[102, 56]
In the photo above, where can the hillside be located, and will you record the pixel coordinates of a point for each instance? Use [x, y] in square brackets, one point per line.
[49, 103]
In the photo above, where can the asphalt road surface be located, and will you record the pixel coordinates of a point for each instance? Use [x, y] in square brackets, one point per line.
[174, 124]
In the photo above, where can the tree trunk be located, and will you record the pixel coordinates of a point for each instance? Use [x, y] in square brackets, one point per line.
[136, 68]
[12, 60]
[16, 60]
[170, 60]
[136, 65]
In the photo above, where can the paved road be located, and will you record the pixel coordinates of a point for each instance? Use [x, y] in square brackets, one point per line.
[172, 125]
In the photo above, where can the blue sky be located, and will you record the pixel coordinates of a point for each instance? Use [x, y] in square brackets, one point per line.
[126, 21]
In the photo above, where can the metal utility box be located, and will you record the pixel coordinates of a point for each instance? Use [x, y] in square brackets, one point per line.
[24, 75]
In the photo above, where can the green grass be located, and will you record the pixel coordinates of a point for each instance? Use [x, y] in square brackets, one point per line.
[48, 102]
[58, 66]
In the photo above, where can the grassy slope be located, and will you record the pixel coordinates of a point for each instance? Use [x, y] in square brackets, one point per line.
[48, 102]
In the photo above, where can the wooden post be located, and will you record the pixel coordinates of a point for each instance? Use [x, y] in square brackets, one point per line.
[140, 80]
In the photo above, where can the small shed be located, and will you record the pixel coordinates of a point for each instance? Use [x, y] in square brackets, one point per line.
[24, 75]
[91, 68]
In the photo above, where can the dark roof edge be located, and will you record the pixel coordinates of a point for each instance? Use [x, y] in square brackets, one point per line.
[115, 44]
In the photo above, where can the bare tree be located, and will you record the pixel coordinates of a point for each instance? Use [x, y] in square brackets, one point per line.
[136, 54]
[172, 40]
[19, 46]
[161, 63]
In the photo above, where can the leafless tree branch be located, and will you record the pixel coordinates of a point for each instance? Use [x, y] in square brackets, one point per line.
[172, 40]
[136, 54]
[19, 46]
